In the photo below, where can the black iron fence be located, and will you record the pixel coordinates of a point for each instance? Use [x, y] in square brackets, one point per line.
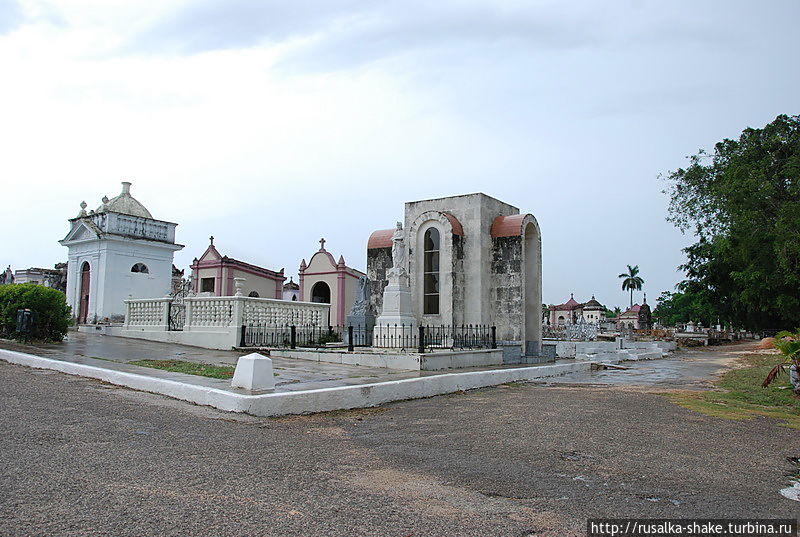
[288, 336]
[409, 337]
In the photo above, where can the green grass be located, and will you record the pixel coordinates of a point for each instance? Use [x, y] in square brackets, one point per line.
[191, 368]
[739, 395]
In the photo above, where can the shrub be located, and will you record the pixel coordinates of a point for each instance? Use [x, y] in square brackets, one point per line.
[52, 315]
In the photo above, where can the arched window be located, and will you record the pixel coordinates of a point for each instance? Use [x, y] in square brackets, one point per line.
[430, 299]
[140, 267]
[294, 298]
[253, 294]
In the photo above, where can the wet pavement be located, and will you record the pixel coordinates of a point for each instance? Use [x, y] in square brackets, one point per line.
[690, 369]
[685, 369]
[111, 352]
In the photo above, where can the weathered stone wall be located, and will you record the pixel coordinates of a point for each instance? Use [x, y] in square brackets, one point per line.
[379, 261]
[459, 282]
[506, 295]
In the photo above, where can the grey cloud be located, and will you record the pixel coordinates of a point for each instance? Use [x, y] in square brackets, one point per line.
[206, 25]
[437, 28]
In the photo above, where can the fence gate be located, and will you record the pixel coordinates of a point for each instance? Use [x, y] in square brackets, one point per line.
[177, 307]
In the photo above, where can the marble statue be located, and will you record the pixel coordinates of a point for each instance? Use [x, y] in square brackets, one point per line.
[399, 257]
[361, 304]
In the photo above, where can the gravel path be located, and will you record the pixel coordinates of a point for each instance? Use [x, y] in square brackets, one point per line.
[78, 457]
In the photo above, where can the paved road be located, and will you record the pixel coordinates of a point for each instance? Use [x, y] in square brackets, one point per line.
[79, 457]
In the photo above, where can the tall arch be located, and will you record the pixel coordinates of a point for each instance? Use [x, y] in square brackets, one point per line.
[430, 262]
[321, 293]
[532, 259]
[84, 286]
[447, 226]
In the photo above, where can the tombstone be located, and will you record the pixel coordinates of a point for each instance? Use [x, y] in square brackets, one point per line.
[396, 324]
[361, 316]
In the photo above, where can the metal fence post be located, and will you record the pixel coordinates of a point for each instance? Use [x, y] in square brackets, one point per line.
[293, 337]
[421, 340]
[242, 338]
[494, 337]
[350, 338]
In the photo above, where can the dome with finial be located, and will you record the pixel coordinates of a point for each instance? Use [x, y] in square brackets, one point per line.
[593, 304]
[124, 204]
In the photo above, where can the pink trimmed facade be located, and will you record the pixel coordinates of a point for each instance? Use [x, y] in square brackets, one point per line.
[214, 273]
[325, 278]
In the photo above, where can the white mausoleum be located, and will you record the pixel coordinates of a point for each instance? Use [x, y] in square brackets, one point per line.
[116, 252]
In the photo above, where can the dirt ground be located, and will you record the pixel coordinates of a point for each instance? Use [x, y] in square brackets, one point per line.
[79, 457]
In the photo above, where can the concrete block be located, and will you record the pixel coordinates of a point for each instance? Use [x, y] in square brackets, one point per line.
[254, 372]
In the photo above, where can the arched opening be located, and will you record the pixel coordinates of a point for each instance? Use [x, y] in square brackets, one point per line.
[83, 296]
[140, 267]
[321, 293]
[560, 320]
[532, 259]
[294, 298]
[253, 294]
[430, 254]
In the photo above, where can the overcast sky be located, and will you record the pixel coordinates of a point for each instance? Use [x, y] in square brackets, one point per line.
[271, 124]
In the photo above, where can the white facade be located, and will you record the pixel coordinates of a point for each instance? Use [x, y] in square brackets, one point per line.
[115, 255]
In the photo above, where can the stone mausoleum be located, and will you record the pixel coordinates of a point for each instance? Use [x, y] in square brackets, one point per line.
[213, 275]
[324, 280]
[471, 259]
[116, 252]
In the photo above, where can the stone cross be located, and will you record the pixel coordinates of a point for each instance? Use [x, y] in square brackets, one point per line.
[211, 238]
[322, 244]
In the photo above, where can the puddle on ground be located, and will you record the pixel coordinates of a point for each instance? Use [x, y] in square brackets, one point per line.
[793, 492]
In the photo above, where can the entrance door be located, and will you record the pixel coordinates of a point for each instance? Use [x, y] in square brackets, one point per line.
[83, 307]
[321, 293]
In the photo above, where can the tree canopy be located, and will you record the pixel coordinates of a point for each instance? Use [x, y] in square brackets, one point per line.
[743, 204]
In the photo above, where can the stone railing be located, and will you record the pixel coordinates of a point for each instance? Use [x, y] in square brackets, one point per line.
[215, 322]
[226, 311]
[134, 226]
[212, 311]
[284, 312]
[149, 312]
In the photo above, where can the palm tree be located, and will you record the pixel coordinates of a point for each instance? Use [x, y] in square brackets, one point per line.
[631, 280]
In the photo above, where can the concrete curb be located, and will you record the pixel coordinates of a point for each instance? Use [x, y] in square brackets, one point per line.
[306, 401]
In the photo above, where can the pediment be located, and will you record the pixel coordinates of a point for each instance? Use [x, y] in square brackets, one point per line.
[80, 232]
[321, 262]
[211, 254]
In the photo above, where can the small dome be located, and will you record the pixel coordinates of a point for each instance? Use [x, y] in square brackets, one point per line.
[125, 204]
[593, 304]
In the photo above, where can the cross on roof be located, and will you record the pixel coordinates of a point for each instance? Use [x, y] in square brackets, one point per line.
[322, 244]
[211, 238]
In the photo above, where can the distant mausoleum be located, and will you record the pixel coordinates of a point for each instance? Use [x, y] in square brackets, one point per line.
[572, 312]
[637, 317]
[213, 275]
[472, 259]
[116, 252]
[327, 281]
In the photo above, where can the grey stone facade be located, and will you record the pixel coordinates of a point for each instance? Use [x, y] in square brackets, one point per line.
[379, 260]
[489, 266]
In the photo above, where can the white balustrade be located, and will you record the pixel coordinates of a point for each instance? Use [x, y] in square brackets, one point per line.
[150, 312]
[224, 314]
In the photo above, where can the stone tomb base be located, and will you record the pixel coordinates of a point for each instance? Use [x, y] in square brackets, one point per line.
[409, 361]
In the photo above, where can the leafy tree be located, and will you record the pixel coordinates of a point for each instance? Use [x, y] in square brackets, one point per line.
[631, 280]
[688, 304]
[51, 313]
[743, 204]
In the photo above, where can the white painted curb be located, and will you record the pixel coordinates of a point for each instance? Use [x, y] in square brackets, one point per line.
[306, 401]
